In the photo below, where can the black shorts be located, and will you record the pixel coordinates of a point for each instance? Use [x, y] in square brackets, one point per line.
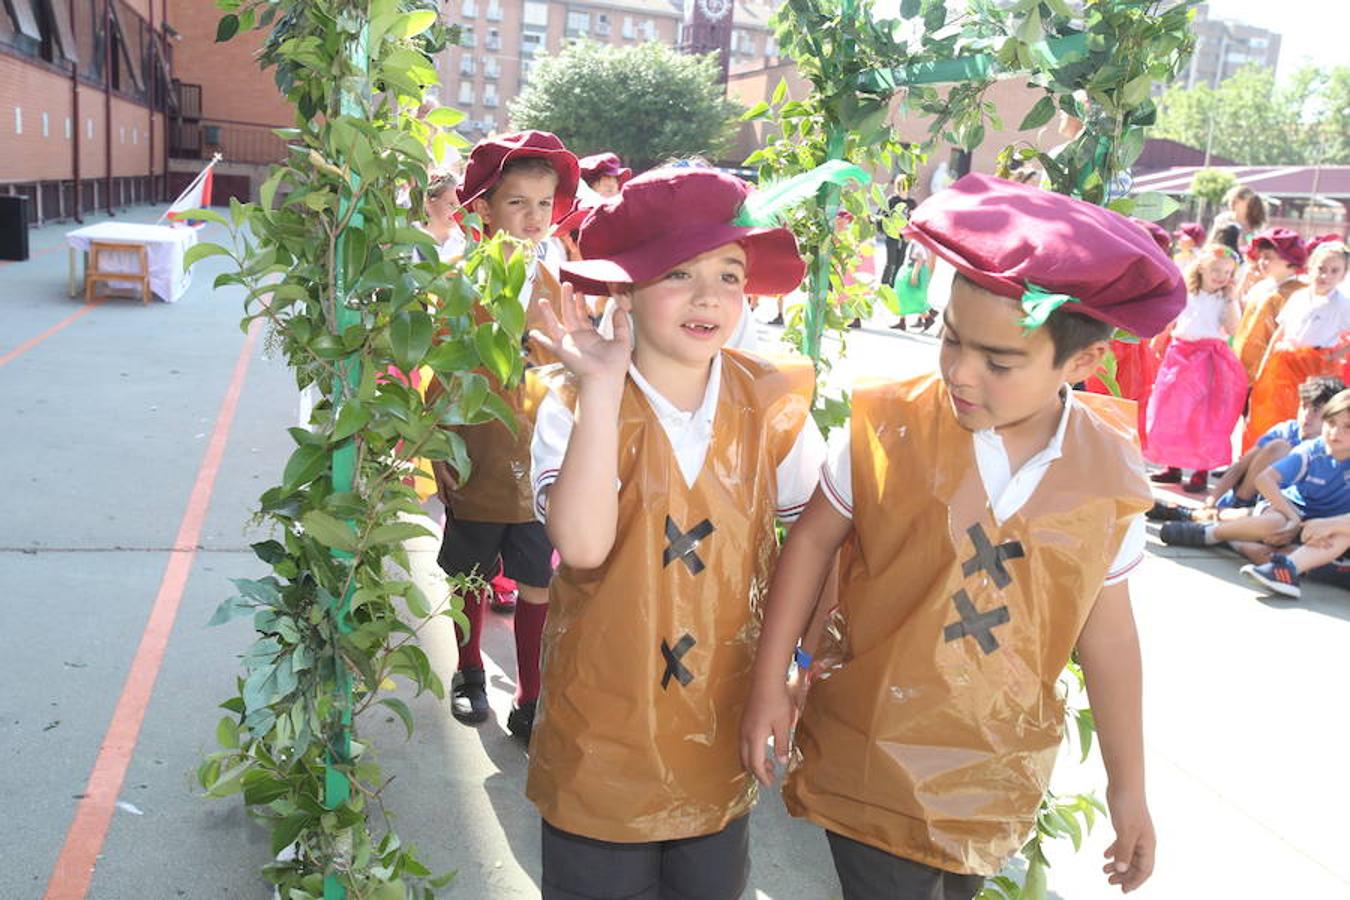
[523, 548]
[867, 873]
[710, 867]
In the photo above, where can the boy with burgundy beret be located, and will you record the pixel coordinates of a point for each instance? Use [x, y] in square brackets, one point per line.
[519, 184]
[661, 461]
[988, 517]
[605, 173]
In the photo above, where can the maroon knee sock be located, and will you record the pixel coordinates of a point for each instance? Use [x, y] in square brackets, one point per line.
[470, 656]
[529, 634]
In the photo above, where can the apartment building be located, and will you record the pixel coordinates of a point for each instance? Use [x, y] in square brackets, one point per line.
[1223, 46]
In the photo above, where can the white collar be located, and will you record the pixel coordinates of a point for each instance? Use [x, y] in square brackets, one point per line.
[669, 412]
[1055, 448]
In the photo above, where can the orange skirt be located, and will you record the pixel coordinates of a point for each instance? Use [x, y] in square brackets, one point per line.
[1275, 393]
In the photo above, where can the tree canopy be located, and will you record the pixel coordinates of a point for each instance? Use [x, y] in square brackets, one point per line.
[646, 102]
[1253, 121]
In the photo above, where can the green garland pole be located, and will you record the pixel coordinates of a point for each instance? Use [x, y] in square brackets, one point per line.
[337, 785]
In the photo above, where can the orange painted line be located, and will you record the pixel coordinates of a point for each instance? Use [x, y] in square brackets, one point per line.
[14, 262]
[34, 341]
[74, 869]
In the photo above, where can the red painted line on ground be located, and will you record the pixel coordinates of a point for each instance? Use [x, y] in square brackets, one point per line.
[34, 341]
[74, 869]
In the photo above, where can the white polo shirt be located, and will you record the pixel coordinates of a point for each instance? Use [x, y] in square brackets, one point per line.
[690, 435]
[1310, 320]
[1007, 491]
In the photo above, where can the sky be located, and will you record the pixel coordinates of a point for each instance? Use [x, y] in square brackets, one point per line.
[1307, 28]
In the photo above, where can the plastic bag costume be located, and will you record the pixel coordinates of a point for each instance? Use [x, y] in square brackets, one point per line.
[647, 658]
[969, 623]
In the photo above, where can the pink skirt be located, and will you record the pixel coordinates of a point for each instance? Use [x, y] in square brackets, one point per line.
[1195, 404]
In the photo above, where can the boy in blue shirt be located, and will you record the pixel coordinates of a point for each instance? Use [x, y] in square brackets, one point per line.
[1237, 488]
[1312, 482]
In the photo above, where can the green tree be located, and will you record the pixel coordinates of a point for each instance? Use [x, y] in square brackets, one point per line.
[1210, 185]
[646, 102]
[1253, 121]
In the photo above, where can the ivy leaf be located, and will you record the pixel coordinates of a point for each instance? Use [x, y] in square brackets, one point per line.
[455, 355]
[444, 117]
[909, 8]
[201, 251]
[232, 608]
[412, 24]
[306, 464]
[1153, 206]
[410, 338]
[1039, 114]
[396, 532]
[285, 831]
[495, 357]
[401, 710]
[328, 531]
[226, 28]
[352, 417]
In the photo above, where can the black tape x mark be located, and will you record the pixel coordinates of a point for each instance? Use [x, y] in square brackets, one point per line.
[674, 668]
[684, 543]
[976, 624]
[991, 558]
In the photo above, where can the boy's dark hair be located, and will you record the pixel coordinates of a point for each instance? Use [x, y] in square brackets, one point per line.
[1072, 331]
[1318, 390]
[1228, 235]
[531, 165]
[1069, 331]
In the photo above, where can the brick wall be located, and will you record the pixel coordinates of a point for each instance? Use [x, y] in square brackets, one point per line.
[234, 88]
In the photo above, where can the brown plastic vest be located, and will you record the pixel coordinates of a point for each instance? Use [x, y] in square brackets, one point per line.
[498, 488]
[1258, 325]
[932, 732]
[647, 658]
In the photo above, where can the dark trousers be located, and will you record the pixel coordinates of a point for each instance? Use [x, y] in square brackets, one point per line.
[866, 873]
[709, 867]
[895, 256]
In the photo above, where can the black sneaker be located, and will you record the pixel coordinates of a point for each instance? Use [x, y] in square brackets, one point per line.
[776, 320]
[468, 698]
[1166, 512]
[1167, 476]
[1183, 534]
[521, 720]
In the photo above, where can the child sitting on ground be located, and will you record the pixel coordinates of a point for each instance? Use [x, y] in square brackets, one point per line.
[1312, 482]
[1236, 490]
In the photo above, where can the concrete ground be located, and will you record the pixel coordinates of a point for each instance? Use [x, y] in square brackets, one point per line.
[107, 423]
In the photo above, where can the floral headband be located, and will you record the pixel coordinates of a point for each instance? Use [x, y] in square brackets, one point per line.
[1222, 251]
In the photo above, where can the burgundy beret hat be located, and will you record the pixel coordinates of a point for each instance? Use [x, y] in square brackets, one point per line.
[491, 155]
[670, 215]
[1315, 242]
[1012, 239]
[1193, 230]
[599, 165]
[1157, 232]
[1288, 244]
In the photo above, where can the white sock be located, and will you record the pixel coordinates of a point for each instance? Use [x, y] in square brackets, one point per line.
[1209, 533]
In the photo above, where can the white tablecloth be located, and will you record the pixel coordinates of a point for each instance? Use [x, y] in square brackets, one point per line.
[165, 246]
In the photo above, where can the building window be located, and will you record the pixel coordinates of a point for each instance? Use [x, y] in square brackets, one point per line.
[491, 68]
[648, 29]
[466, 37]
[466, 65]
[494, 40]
[536, 13]
[770, 46]
[490, 96]
[531, 42]
[627, 29]
[494, 11]
[469, 9]
[578, 22]
[602, 24]
[466, 93]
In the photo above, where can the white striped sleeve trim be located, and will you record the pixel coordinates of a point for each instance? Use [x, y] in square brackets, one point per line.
[1119, 575]
[833, 494]
[541, 483]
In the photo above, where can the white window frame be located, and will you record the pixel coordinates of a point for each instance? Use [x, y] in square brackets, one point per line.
[535, 13]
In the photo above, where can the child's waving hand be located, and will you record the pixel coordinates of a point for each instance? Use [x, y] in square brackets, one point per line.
[579, 346]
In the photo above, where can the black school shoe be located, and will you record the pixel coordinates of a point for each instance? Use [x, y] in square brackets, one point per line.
[468, 699]
[1183, 534]
[1170, 475]
[1166, 512]
[521, 720]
